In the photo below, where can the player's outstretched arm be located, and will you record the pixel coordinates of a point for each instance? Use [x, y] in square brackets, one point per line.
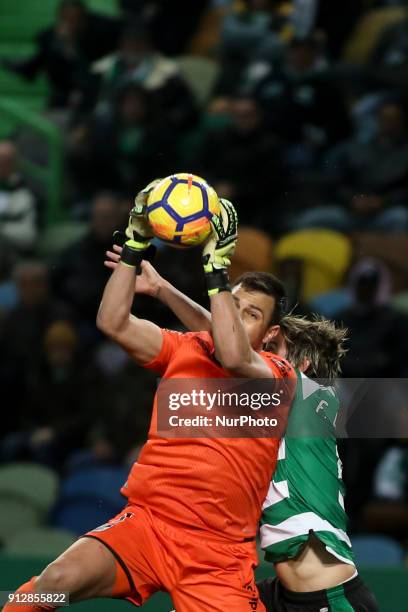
[140, 338]
[193, 316]
[232, 347]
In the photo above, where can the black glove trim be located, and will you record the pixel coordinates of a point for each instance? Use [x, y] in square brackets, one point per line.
[217, 281]
[133, 257]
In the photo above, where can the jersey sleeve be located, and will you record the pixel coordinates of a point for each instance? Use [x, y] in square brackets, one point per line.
[172, 341]
[284, 384]
[279, 366]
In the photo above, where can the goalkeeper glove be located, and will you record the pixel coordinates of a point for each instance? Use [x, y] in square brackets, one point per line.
[220, 248]
[136, 239]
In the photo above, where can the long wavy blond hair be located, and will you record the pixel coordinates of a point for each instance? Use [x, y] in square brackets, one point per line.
[318, 341]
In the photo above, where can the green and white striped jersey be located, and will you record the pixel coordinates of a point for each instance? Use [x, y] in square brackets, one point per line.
[307, 492]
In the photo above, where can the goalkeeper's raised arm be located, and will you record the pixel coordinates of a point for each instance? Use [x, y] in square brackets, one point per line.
[140, 338]
[193, 316]
[234, 349]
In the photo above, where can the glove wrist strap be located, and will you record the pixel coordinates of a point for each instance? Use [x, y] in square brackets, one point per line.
[217, 281]
[132, 253]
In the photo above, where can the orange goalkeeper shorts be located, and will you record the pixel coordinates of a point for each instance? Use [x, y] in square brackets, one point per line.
[200, 574]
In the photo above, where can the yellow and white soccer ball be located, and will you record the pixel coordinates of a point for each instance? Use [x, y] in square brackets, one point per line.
[179, 210]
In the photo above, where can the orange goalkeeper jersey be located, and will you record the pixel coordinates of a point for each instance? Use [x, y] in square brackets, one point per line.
[213, 484]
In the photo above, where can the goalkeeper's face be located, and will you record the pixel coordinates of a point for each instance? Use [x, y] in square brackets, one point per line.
[256, 310]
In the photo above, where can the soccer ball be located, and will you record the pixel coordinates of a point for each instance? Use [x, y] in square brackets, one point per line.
[179, 210]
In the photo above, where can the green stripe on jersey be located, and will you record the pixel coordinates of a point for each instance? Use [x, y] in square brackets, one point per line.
[307, 492]
[290, 547]
[337, 600]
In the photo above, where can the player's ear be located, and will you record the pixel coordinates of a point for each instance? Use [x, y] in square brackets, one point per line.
[271, 333]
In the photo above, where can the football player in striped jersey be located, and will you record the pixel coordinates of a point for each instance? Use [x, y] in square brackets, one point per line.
[304, 523]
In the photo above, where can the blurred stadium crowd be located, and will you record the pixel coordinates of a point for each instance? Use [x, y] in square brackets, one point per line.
[296, 111]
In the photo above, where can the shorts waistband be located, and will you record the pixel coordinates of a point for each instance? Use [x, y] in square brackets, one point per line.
[318, 596]
[173, 528]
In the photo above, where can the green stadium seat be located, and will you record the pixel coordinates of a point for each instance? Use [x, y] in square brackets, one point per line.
[38, 542]
[14, 86]
[20, 22]
[16, 515]
[9, 125]
[32, 95]
[35, 484]
[24, 7]
[12, 51]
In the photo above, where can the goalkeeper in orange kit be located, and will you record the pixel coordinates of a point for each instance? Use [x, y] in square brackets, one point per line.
[193, 504]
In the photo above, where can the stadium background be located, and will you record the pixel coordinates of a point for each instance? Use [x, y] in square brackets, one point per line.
[297, 111]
